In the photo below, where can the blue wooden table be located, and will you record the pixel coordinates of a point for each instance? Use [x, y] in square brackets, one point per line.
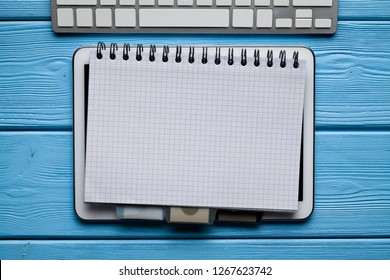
[351, 219]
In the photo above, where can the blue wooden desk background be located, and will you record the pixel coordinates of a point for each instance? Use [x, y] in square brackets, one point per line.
[351, 219]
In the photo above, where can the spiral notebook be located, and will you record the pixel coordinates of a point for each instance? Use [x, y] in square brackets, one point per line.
[195, 127]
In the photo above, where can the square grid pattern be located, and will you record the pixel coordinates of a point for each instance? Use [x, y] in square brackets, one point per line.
[201, 135]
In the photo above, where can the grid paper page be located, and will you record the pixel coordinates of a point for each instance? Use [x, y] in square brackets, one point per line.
[201, 135]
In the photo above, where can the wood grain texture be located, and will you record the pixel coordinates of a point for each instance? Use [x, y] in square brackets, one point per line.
[269, 249]
[352, 72]
[348, 9]
[352, 201]
[352, 193]
[25, 10]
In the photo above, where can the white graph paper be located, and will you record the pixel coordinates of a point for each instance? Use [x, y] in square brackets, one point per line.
[203, 135]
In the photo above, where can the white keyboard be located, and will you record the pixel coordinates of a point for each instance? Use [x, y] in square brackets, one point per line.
[195, 16]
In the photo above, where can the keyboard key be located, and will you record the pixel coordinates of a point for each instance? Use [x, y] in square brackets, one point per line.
[108, 2]
[204, 2]
[313, 3]
[127, 2]
[264, 18]
[262, 2]
[246, 3]
[283, 23]
[303, 13]
[166, 2]
[146, 2]
[185, 2]
[84, 17]
[281, 3]
[184, 17]
[65, 17]
[77, 2]
[103, 18]
[243, 18]
[323, 23]
[223, 2]
[303, 23]
[125, 17]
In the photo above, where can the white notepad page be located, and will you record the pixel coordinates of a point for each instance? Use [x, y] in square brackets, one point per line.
[203, 135]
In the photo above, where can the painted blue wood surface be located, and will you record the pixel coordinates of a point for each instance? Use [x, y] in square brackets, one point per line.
[352, 197]
[210, 249]
[352, 77]
[352, 194]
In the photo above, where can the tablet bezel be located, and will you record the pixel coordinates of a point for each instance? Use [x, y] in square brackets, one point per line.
[105, 212]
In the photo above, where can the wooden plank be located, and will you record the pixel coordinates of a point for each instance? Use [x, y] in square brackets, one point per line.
[348, 9]
[268, 249]
[25, 10]
[352, 193]
[364, 10]
[352, 81]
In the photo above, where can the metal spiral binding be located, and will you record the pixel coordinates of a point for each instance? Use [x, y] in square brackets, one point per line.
[204, 55]
[152, 53]
[191, 56]
[100, 46]
[243, 57]
[217, 60]
[230, 56]
[178, 54]
[282, 56]
[295, 58]
[126, 49]
[270, 58]
[138, 54]
[256, 55]
[113, 48]
[165, 53]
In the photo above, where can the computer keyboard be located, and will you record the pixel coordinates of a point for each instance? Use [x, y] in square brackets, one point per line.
[195, 16]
